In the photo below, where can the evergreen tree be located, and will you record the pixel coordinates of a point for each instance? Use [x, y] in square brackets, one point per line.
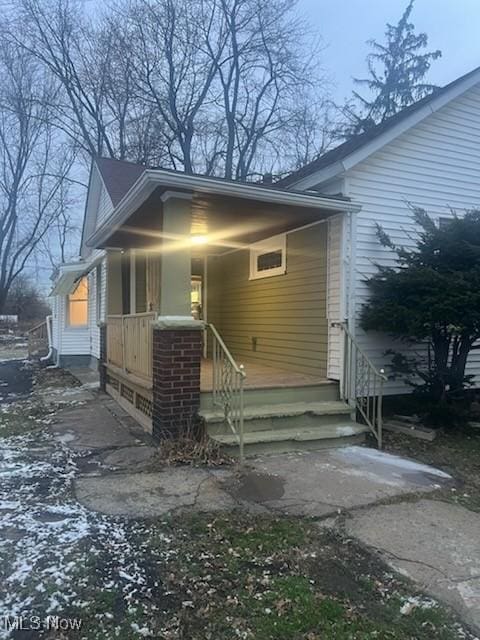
[397, 71]
[432, 296]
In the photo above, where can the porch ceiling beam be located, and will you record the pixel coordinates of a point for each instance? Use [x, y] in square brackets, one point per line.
[188, 184]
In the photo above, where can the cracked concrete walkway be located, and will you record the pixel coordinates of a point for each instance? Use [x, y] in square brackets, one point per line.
[435, 543]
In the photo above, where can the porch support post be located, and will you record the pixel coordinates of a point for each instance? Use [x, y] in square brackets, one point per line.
[176, 269]
[177, 353]
[114, 283]
[177, 337]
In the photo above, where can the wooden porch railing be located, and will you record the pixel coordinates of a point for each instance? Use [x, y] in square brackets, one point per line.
[129, 343]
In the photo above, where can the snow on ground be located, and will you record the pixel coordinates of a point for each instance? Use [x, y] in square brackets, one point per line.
[13, 348]
[50, 545]
[365, 456]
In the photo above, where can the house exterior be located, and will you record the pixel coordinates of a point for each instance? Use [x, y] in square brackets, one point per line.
[427, 156]
[186, 278]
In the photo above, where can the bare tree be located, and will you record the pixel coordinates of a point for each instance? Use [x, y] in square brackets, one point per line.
[208, 86]
[266, 78]
[33, 164]
[173, 71]
[59, 244]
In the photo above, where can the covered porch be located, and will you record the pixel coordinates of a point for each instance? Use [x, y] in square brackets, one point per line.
[250, 261]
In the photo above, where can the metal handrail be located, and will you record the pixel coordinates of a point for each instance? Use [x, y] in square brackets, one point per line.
[362, 384]
[227, 387]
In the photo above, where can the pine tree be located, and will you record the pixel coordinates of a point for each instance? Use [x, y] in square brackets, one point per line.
[432, 297]
[397, 71]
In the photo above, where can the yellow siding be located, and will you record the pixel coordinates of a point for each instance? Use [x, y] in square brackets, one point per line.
[286, 313]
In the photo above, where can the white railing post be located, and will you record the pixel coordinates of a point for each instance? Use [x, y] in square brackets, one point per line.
[242, 377]
[363, 384]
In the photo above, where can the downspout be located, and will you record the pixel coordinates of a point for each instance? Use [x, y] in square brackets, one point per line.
[48, 320]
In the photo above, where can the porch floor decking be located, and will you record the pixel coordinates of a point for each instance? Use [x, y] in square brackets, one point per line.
[260, 376]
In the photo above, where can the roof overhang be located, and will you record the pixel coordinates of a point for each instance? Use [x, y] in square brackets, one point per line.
[70, 274]
[67, 280]
[152, 179]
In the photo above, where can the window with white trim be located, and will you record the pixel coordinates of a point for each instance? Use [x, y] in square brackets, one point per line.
[77, 310]
[268, 257]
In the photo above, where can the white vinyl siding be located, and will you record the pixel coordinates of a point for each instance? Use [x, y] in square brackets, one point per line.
[434, 165]
[105, 206]
[81, 340]
[72, 340]
[334, 296]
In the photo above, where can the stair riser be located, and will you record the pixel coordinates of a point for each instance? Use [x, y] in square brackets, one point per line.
[303, 421]
[291, 446]
[280, 395]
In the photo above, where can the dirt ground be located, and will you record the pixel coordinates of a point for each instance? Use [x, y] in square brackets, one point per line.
[456, 451]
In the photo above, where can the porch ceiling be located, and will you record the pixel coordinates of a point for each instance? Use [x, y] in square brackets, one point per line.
[139, 210]
[226, 222]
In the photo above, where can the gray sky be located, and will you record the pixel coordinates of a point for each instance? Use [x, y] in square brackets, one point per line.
[453, 26]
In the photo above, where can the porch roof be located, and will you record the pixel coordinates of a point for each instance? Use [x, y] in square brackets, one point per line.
[162, 180]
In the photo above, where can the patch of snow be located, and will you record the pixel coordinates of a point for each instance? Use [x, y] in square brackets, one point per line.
[57, 536]
[417, 602]
[361, 455]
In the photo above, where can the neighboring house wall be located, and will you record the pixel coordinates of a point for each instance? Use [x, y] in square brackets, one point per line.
[285, 313]
[434, 165]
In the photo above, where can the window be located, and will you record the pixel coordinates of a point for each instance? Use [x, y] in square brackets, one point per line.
[268, 257]
[77, 312]
[444, 222]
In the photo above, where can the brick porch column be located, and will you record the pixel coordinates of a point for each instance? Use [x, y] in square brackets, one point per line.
[102, 363]
[177, 352]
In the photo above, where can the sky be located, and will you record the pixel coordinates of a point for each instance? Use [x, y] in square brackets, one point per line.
[453, 26]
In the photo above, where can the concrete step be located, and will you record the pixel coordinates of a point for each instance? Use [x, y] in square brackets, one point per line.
[288, 440]
[325, 391]
[294, 415]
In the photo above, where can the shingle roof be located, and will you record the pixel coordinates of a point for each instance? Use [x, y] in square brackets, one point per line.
[118, 176]
[345, 149]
